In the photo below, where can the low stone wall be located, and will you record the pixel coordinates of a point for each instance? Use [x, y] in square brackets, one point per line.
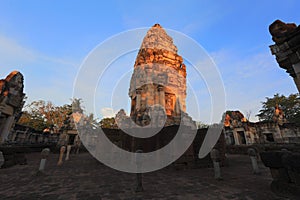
[14, 155]
[162, 138]
[242, 149]
[275, 147]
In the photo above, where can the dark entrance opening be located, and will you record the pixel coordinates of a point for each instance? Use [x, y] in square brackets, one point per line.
[269, 137]
[230, 138]
[242, 138]
[71, 139]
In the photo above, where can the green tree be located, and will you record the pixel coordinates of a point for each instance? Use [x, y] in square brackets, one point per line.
[41, 114]
[33, 121]
[107, 122]
[289, 105]
[76, 105]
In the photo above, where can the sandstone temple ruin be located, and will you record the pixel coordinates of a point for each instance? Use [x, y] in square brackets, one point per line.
[287, 48]
[11, 102]
[158, 83]
[239, 131]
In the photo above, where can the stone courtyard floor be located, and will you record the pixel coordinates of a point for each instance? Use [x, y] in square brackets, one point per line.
[83, 177]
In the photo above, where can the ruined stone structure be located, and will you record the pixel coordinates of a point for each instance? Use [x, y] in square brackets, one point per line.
[287, 48]
[69, 134]
[239, 131]
[234, 118]
[25, 135]
[283, 164]
[159, 80]
[11, 102]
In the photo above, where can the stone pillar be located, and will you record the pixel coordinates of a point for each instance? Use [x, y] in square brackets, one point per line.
[1, 159]
[6, 128]
[68, 152]
[236, 137]
[146, 102]
[215, 156]
[61, 155]
[77, 144]
[161, 96]
[177, 106]
[45, 153]
[138, 99]
[156, 97]
[14, 136]
[253, 158]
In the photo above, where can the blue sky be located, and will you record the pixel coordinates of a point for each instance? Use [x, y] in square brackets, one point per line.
[48, 40]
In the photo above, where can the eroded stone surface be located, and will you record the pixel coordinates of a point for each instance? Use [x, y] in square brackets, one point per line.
[11, 102]
[287, 48]
[159, 78]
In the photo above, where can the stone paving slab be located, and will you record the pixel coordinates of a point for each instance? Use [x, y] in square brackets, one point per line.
[83, 177]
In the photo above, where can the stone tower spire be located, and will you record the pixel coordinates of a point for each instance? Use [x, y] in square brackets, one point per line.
[159, 78]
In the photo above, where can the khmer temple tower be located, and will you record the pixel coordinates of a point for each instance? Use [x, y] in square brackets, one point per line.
[159, 78]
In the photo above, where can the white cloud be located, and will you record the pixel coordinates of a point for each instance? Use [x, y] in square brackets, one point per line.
[45, 77]
[249, 79]
[107, 112]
